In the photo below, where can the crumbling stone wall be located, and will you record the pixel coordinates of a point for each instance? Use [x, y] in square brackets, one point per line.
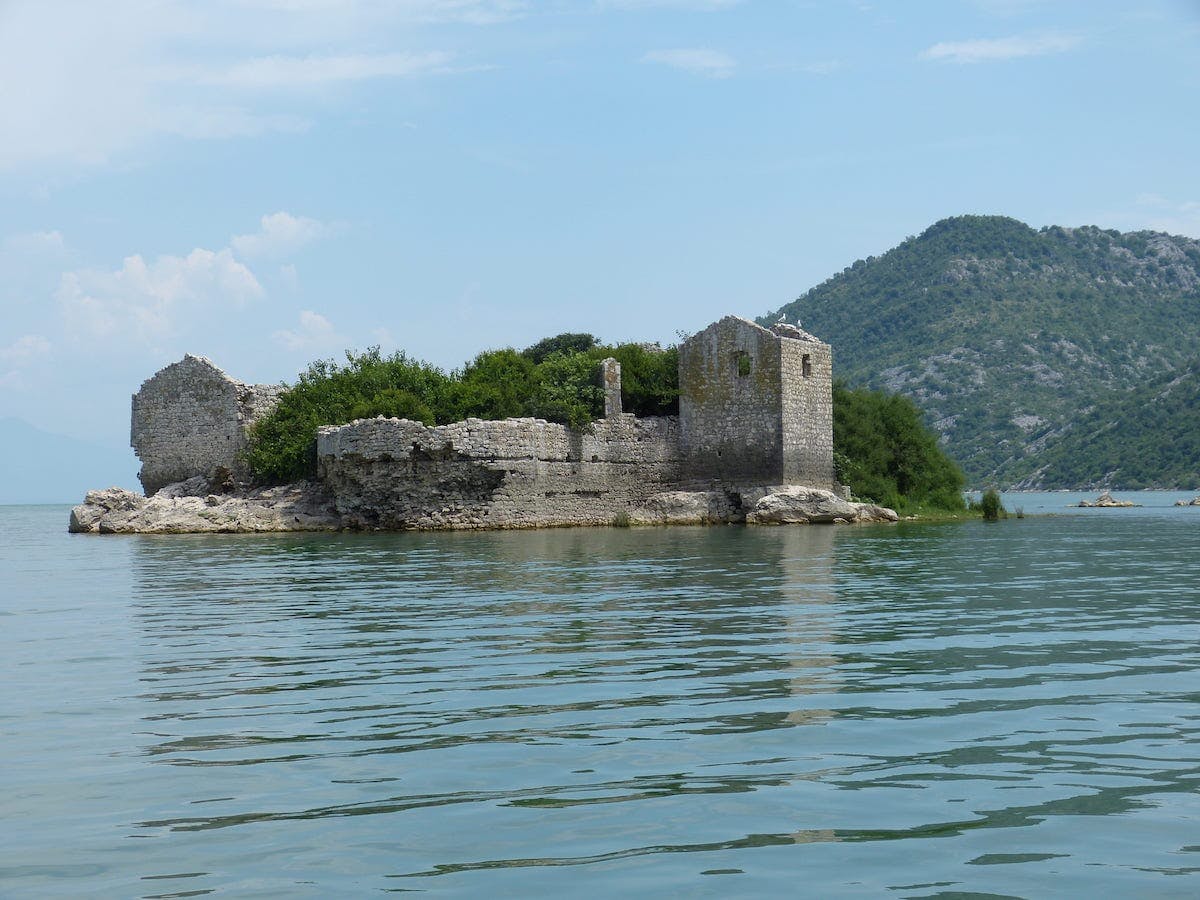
[514, 473]
[191, 418]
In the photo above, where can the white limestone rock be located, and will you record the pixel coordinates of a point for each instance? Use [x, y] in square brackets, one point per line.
[104, 505]
[1105, 501]
[794, 505]
[185, 508]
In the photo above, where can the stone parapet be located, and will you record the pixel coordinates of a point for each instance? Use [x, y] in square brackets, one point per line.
[513, 473]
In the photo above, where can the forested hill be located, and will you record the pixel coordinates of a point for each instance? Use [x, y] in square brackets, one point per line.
[1008, 336]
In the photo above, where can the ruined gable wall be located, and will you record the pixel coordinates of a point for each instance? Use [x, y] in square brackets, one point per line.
[190, 418]
[513, 473]
[730, 417]
[807, 402]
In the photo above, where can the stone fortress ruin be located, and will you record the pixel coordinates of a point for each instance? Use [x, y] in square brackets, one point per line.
[753, 442]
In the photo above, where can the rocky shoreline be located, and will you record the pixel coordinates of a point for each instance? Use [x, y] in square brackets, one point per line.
[197, 506]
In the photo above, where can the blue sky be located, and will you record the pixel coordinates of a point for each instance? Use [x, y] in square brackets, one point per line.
[264, 182]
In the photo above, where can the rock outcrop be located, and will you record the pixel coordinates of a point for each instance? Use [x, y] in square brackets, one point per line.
[1105, 501]
[188, 507]
[193, 507]
[1195, 501]
[794, 505]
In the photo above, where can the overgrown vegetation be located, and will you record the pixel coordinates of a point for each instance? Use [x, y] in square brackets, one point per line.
[885, 452]
[555, 379]
[882, 448]
[990, 505]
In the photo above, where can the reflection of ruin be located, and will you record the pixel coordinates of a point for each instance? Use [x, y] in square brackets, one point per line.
[806, 571]
[267, 650]
[807, 583]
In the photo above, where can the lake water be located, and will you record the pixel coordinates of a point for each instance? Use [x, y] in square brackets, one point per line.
[911, 711]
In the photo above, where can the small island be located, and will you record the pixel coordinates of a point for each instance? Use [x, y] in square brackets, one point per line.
[741, 429]
[1104, 501]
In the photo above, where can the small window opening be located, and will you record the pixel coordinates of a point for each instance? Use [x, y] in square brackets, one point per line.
[806, 365]
[743, 363]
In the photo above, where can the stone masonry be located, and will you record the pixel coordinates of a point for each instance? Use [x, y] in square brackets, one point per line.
[753, 442]
[514, 473]
[756, 405]
[191, 418]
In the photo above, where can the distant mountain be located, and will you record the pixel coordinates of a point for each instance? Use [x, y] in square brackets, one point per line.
[40, 467]
[1007, 336]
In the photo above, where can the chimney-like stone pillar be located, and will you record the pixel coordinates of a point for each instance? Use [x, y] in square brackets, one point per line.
[611, 372]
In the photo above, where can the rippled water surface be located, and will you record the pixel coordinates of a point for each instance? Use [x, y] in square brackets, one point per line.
[909, 711]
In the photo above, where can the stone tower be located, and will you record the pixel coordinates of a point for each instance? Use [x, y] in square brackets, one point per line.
[756, 405]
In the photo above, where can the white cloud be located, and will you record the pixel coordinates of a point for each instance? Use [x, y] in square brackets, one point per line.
[24, 350]
[383, 337]
[696, 61]
[280, 234]
[1009, 7]
[141, 299]
[698, 5]
[19, 355]
[1157, 213]
[309, 71]
[1000, 49]
[824, 67]
[314, 332]
[41, 244]
[469, 12]
[100, 80]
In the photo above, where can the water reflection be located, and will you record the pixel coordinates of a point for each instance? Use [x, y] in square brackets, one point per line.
[457, 706]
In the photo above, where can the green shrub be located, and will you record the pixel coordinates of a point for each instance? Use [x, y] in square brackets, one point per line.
[565, 344]
[885, 452]
[649, 378]
[566, 389]
[991, 506]
[497, 384]
[283, 447]
[393, 403]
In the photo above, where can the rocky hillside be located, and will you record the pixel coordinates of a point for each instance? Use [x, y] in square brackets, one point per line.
[1148, 438]
[1009, 336]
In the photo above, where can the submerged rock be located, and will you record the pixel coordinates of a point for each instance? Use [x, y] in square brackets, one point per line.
[188, 507]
